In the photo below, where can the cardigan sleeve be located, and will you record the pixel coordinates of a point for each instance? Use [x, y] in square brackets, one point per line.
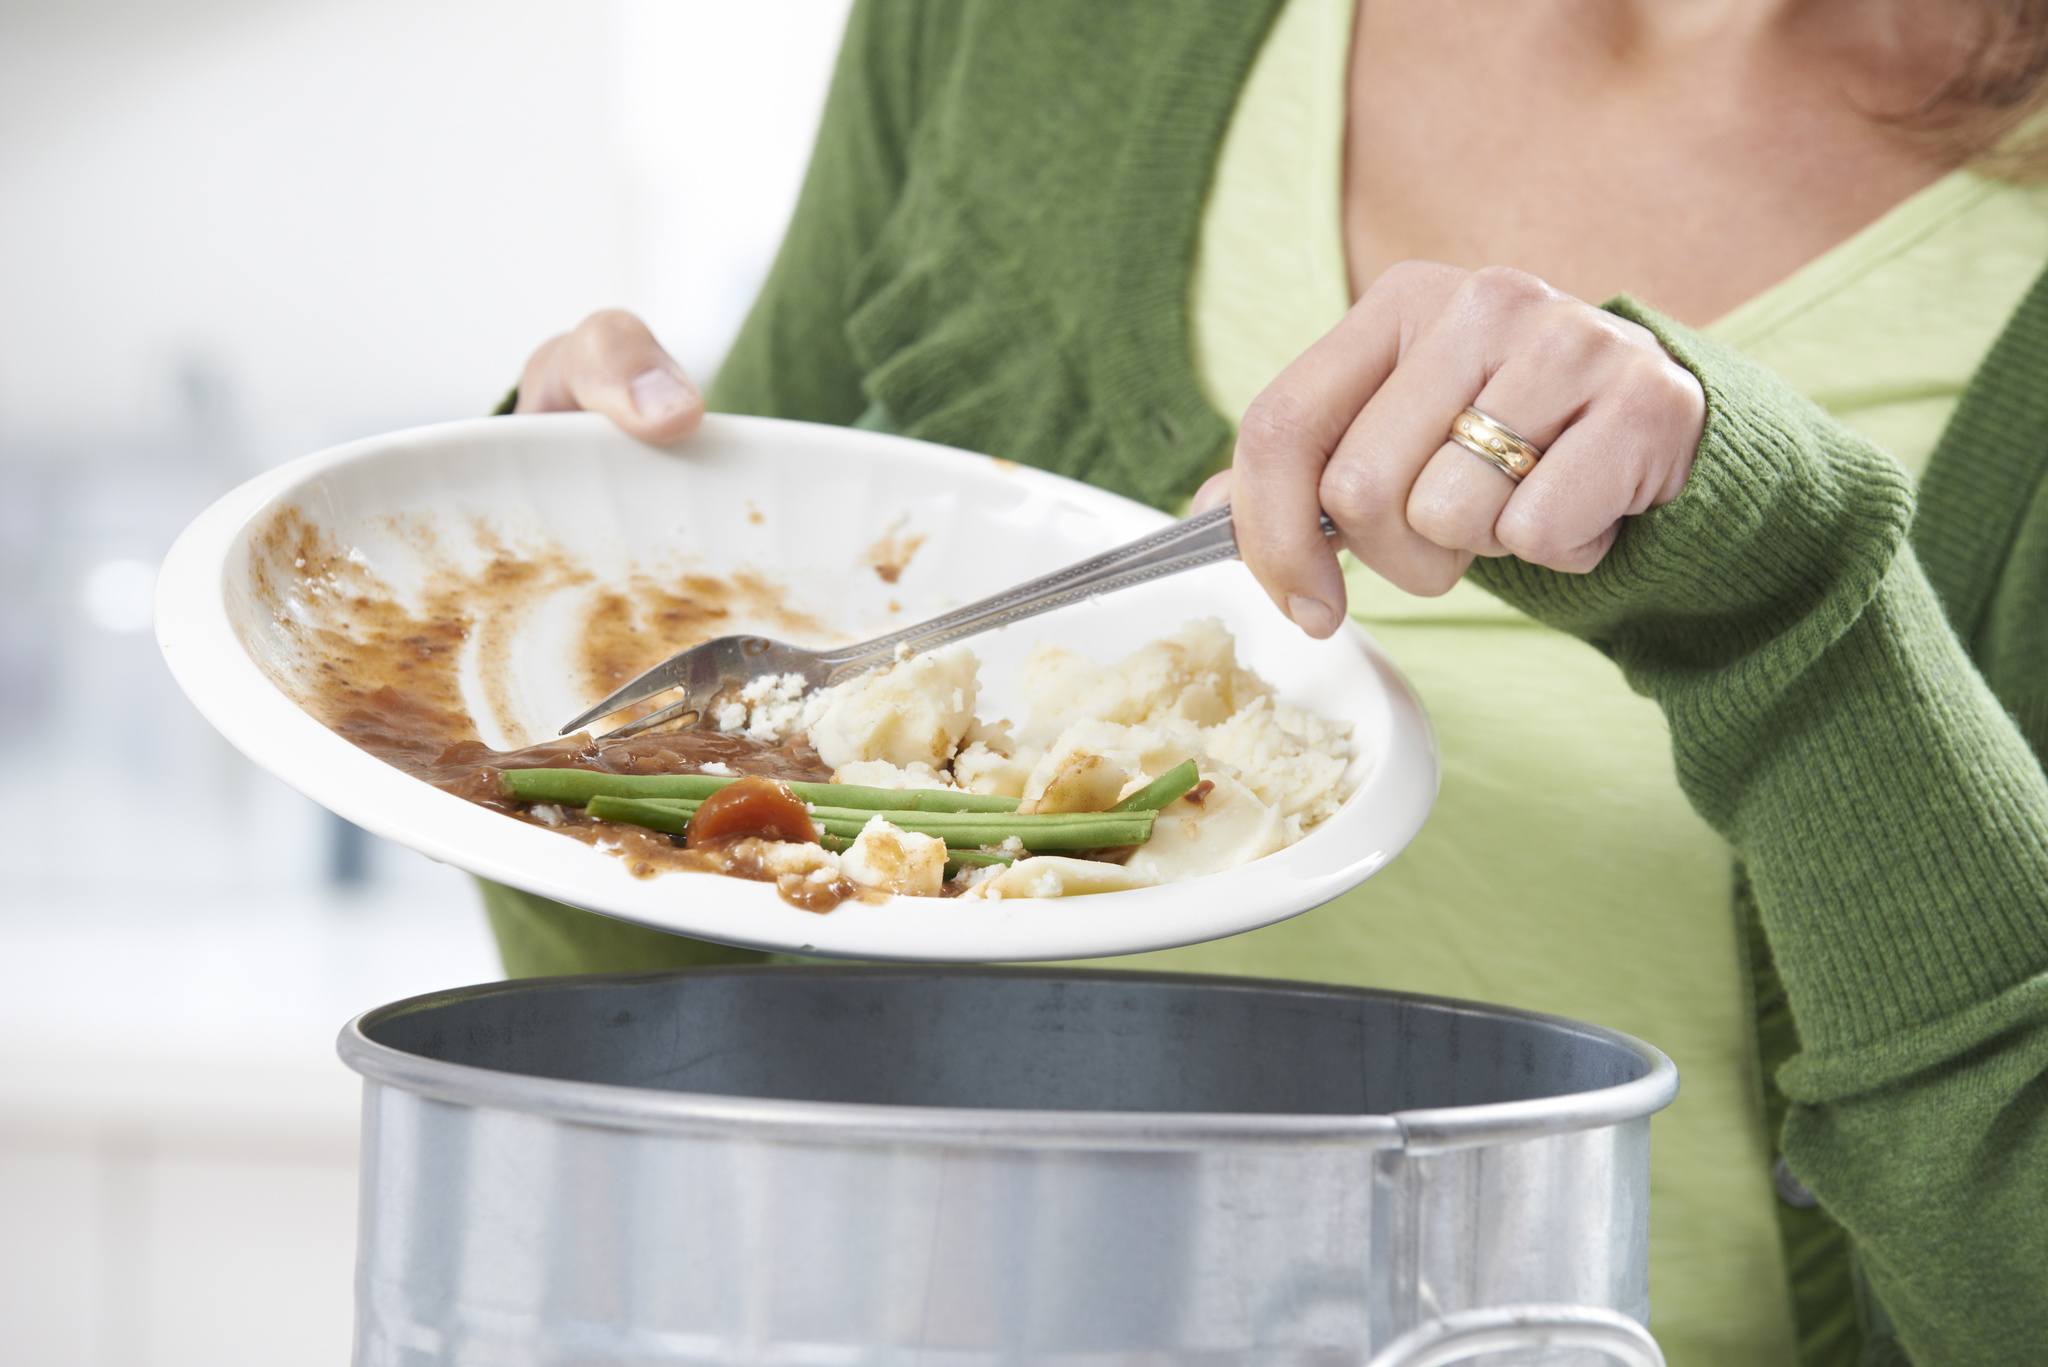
[1893, 821]
[791, 358]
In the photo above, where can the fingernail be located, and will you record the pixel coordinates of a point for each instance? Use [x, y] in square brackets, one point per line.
[1312, 615]
[658, 394]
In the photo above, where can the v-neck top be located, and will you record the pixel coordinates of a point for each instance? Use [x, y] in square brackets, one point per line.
[1576, 829]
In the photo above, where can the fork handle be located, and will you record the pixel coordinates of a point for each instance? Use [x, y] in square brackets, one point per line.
[1207, 539]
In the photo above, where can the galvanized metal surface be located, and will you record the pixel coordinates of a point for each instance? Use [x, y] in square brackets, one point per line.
[1530, 1332]
[955, 1167]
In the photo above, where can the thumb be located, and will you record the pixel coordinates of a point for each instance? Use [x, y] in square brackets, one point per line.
[612, 365]
[1214, 493]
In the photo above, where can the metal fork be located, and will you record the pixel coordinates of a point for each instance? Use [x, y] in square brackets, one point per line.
[706, 671]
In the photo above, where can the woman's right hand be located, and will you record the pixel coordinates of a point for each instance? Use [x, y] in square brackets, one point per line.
[610, 363]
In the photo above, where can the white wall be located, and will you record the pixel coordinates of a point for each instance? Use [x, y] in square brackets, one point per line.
[232, 231]
[366, 213]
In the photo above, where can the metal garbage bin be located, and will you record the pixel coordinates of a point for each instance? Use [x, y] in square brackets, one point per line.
[959, 1167]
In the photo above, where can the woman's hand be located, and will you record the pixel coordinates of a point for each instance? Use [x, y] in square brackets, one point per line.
[1359, 427]
[611, 364]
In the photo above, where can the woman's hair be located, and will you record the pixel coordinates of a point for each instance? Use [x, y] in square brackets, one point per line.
[1985, 110]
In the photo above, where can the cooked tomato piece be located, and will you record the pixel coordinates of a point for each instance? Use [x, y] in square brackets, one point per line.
[751, 806]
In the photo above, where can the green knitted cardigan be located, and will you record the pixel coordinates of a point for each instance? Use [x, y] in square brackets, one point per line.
[992, 249]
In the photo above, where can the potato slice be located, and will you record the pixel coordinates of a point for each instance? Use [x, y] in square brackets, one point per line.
[1226, 825]
[1052, 875]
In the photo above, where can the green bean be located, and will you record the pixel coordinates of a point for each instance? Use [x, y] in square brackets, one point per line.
[960, 830]
[671, 817]
[1021, 820]
[977, 858]
[1170, 786]
[1104, 832]
[577, 786]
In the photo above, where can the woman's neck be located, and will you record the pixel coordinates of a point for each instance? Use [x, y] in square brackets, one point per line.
[1886, 55]
[1694, 167]
[1654, 23]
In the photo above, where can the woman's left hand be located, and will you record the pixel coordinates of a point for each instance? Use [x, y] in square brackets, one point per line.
[1359, 428]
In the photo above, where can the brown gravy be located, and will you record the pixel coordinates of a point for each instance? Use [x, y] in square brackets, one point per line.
[891, 553]
[387, 678]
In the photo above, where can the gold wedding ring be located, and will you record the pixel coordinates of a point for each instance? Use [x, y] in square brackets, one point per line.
[1495, 443]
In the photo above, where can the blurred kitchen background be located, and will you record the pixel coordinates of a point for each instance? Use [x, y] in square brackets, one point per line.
[232, 232]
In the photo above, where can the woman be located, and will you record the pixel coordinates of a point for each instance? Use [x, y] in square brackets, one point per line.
[1787, 817]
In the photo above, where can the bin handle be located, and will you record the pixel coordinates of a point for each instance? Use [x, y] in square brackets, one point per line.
[1464, 1334]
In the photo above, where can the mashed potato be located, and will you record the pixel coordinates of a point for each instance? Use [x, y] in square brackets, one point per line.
[890, 860]
[1094, 734]
[917, 711]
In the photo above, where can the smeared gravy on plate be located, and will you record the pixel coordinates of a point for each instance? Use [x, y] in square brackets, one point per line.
[387, 677]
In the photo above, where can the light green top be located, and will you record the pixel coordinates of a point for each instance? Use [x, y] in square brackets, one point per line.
[1884, 331]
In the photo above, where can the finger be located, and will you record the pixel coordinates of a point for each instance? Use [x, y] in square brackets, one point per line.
[1214, 493]
[1459, 495]
[1365, 488]
[612, 365]
[1564, 514]
[543, 388]
[1403, 426]
[1456, 500]
[616, 368]
[1567, 512]
[1291, 430]
[1614, 462]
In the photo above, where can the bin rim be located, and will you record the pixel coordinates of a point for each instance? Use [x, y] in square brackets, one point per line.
[615, 1106]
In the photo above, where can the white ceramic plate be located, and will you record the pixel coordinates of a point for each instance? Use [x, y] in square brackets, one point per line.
[803, 504]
